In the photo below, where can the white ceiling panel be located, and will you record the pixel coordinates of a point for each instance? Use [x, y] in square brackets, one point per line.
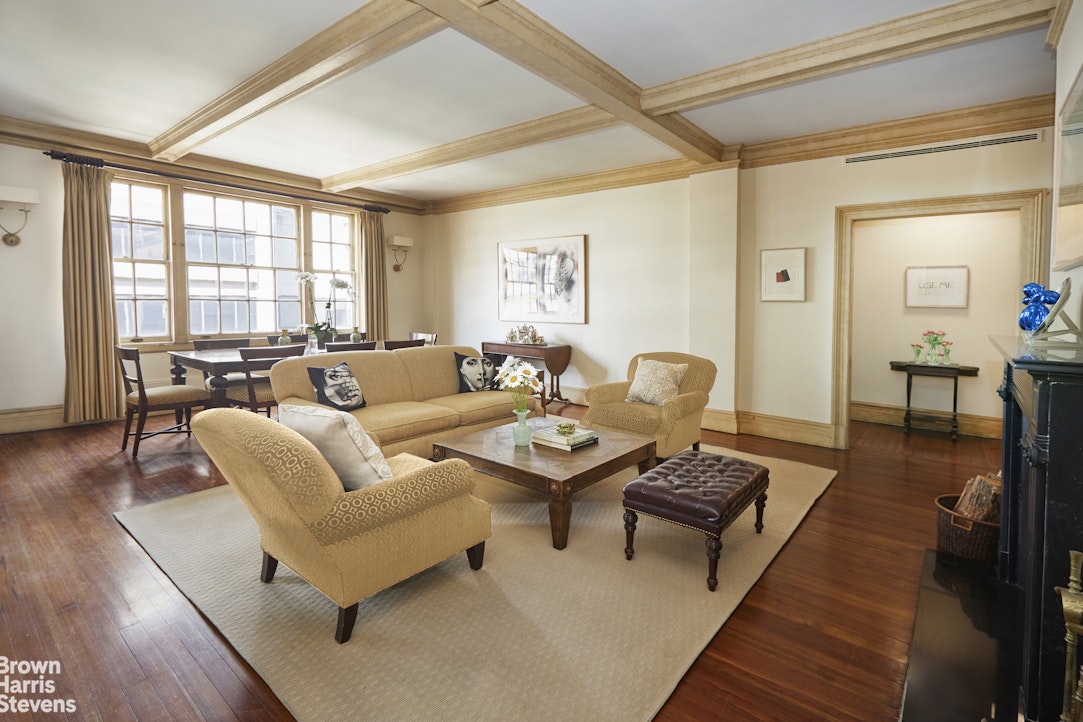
[579, 155]
[655, 42]
[1020, 65]
[425, 95]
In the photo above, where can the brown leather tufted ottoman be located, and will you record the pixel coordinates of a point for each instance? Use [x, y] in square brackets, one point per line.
[700, 491]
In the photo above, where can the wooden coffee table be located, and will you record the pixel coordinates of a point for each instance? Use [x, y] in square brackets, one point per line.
[556, 472]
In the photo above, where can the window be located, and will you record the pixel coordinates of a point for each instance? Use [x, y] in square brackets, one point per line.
[235, 271]
[140, 260]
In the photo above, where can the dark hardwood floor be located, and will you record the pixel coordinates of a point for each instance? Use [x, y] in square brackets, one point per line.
[824, 635]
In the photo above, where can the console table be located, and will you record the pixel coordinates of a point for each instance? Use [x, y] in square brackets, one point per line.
[950, 371]
[555, 356]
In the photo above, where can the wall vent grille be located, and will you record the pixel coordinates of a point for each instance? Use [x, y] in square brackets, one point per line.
[944, 148]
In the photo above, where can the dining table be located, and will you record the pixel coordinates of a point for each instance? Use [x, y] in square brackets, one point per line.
[216, 362]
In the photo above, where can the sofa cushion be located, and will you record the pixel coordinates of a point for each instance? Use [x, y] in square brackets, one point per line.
[341, 440]
[655, 382]
[401, 420]
[480, 407]
[476, 373]
[336, 387]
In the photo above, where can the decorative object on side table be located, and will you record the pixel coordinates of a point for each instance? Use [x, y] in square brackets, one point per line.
[918, 348]
[566, 428]
[521, 380]
[1035, 299]
[525, 334]
[935, 339]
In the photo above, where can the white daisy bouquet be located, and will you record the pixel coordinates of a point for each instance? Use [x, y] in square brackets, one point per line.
[519, 378]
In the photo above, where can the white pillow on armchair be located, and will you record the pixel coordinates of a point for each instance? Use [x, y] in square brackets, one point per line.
[341, 440]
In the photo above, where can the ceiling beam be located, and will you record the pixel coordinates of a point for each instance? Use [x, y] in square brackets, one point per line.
[935, 29]
[371, 32]
[552, 127]
[509, 29]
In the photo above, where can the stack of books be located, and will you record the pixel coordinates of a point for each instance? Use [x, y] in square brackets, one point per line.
[549, 437]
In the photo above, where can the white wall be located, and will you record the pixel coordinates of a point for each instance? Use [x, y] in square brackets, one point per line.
[786, 348]
[883, 327]
[1069, 68]
[32, 360]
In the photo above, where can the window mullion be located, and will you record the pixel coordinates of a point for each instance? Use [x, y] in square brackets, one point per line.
[178, 265]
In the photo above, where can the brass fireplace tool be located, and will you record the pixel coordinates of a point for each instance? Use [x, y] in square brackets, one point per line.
[1071, 601]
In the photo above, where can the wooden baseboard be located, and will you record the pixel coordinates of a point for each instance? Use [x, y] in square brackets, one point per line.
[17, 421]
[724, 421]
[777, 427]
[986, 427]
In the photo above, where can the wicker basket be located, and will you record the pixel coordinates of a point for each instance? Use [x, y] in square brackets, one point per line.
[964, 537]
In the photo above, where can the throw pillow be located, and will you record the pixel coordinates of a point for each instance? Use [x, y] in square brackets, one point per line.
[339, 437]
[655, 381]
[476, 373]
[336, 387]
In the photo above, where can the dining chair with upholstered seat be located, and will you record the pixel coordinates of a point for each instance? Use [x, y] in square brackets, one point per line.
[350, 346]
[428, 338]
[392, 345]
[256, 392]
[139, 399]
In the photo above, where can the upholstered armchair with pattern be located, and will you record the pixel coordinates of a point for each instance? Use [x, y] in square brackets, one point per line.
[658, 401]
[347, 544]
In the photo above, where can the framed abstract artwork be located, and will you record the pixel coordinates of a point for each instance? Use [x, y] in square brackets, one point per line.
[937, 286]
[782, 274]
[543, 280]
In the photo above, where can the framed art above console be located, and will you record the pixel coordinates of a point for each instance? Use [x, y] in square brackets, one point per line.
[543, 280]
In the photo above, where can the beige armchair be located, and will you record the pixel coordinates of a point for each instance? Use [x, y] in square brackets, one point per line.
[348, 545]
[675, 424]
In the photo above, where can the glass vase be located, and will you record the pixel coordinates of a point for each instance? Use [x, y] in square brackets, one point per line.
[933, 358]
[917, 354]
[521, 431]
[947, 355]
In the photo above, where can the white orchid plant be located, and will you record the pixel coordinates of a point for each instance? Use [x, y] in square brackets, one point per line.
[323, 329]
[520, 379]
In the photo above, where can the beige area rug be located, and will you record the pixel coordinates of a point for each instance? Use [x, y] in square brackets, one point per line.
[536, 634]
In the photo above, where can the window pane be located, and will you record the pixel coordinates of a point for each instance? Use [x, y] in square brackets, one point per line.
[122, 240]
[229, 214]
[261, 283]
[289, 315]
[340, 229]
[234, 317]
[285, 222]
[202, 282]
[285, 252]
[198, 210]
[152, 318]
[321, 227]
[199, 246]
[321, 256]
[147, 204]
[231, 249]
[257, 218]
[148, 242]
[123, 280]
[340, 257]
[118, 200]
[203, 317]
[262, 317]
[286, 286]
[125, 318]
[259, 251]
[234, 283]
[149, 281]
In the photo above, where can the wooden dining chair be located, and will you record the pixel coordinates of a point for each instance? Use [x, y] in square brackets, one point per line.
[350, 346]
[392, 345]
[256, 394]
[142, 400]
[428, 338]
[234, 378]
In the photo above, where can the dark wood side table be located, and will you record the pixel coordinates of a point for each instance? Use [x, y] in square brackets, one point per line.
[555, 356]
[948, 371]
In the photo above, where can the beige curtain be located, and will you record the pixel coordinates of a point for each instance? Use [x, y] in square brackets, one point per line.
[92, 378]
[375, 270]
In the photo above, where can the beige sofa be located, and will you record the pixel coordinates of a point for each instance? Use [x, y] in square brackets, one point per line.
[411, 395]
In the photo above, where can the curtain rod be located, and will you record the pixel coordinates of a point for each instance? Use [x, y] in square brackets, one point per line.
[100, 163]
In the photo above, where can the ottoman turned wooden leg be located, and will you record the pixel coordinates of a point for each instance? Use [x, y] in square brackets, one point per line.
[714, 550]
[630, 519]
[761, 501]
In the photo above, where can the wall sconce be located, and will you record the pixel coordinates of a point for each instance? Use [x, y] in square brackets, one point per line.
[11, 194]
[403, 245]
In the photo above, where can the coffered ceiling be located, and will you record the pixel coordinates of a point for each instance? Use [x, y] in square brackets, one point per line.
[442, 104]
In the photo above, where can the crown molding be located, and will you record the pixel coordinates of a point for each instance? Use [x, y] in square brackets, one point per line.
[136, 156]
[1056, 25]
[934, 29]
[1005, 117]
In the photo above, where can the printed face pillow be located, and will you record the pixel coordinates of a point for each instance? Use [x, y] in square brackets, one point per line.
[336, 387]
[655, 381]
[476, 373]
